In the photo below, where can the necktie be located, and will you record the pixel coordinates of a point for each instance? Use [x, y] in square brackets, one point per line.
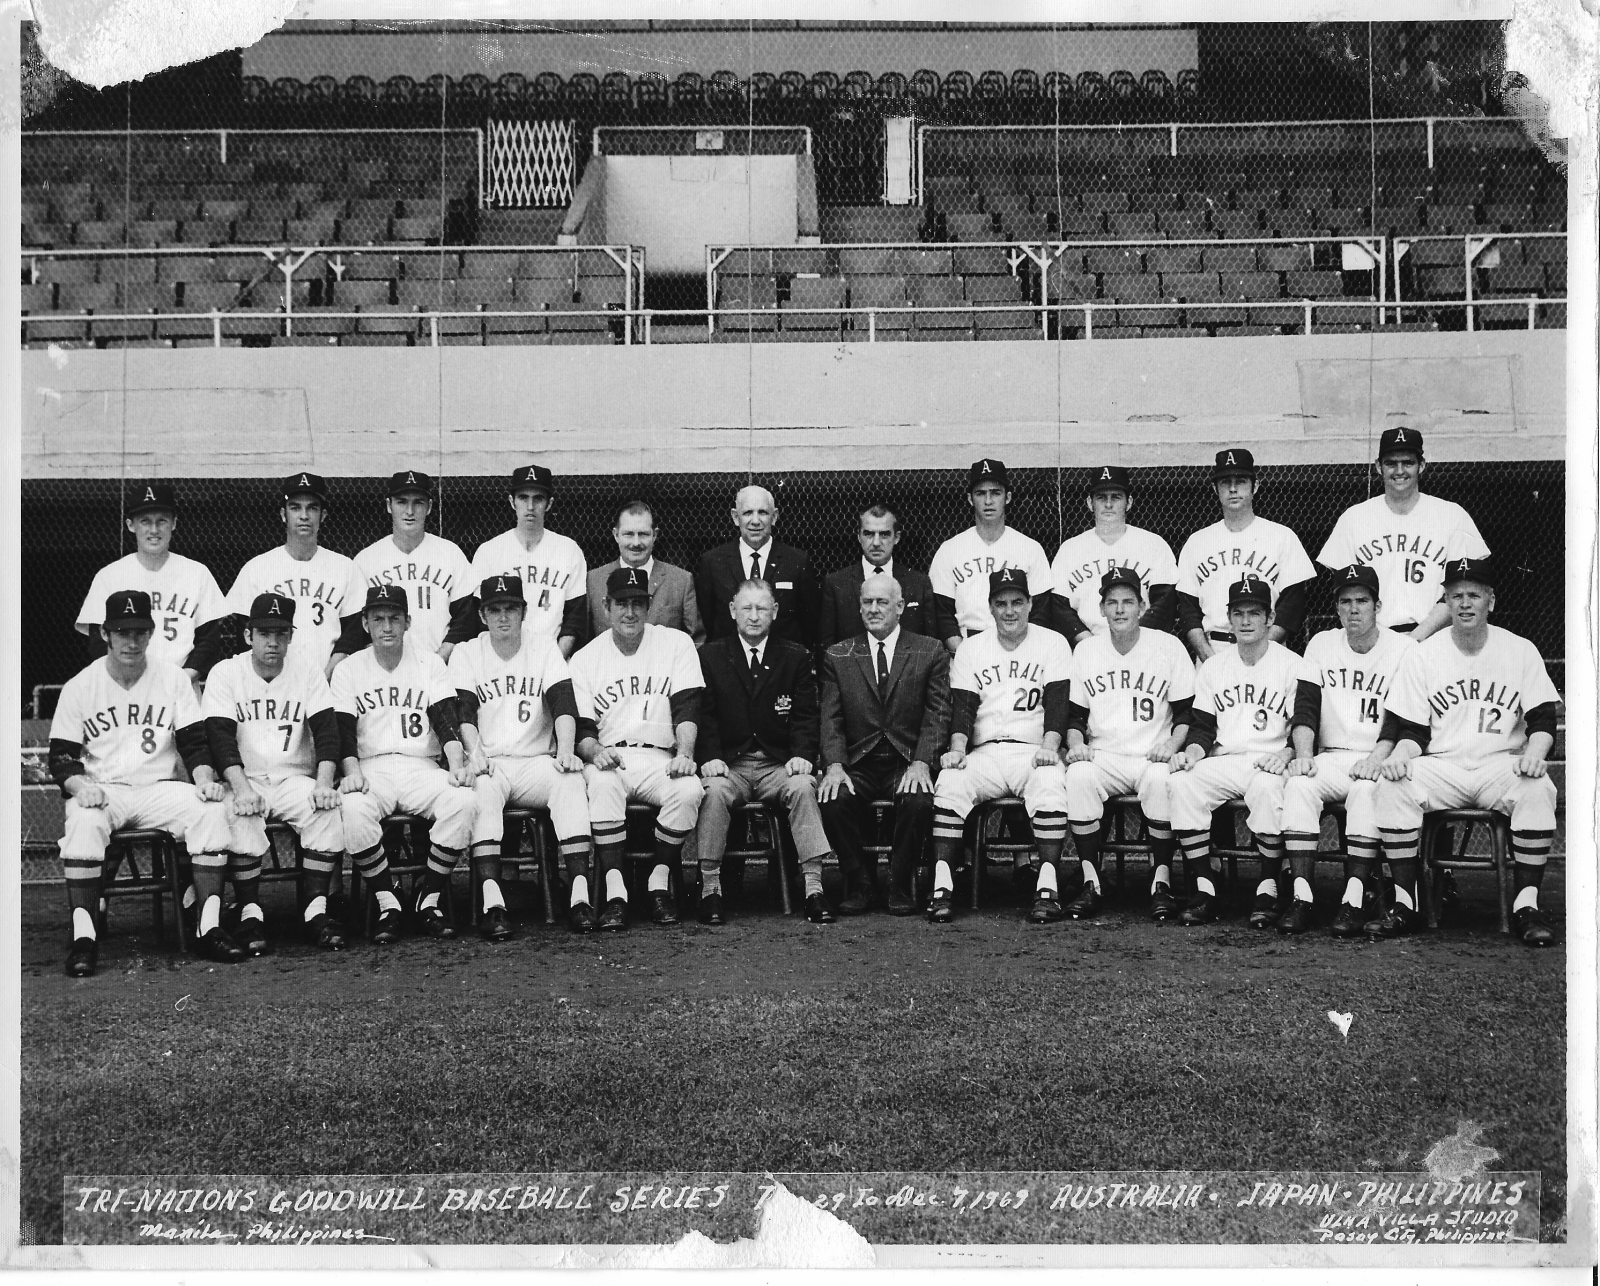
[755, 566]
[755, 664]
[883, 669]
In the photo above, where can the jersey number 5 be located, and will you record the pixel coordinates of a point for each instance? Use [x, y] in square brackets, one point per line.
[411, 724]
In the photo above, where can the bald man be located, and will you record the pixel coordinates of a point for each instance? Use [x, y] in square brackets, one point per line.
[755, 555]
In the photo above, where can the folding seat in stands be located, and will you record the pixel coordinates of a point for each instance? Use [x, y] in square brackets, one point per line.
[602, 292]
[1102, 202]
[1189, 285]
[1236, 223]
[879, 292]
[416, 228]
[1141, 289]
[815, 292]
[130, 270]
[362, 293]
[857, 261]
[1304, 223]
[38, 297]
[1152, 201]
[153, 232]
[77, 297]
[1524, 279]
[1181, 225]
[488, 292]
[429, 265]
[491, 264]
[380, 265]
[925, 263]
[1116, 260]
[940, 293]
[363, 229]
[1507, 216]
[99, 233]
[206, 232]
[47, 234]
[1447, 218]
[980, 260]
[317, 319]
[177, 209]
[258, 232]
[972, 227]
[1442, 283]
[1312, 284]
[1291, 257]
[315, 231]
[1167, 259]
[1131, 225]
[71, 270]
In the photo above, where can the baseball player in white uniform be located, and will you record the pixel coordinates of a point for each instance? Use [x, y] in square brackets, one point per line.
[324, 585]
[961, 568]
[1239, 544]
[125, 728]
[274, 738]
[1472, 715]
[186, 604]
[1083, 561]
[551, 566]
[397, 711]
[1407, 537]
[1008, 715]
[1237, 748]
[433, 571]
[638, 689]
[1338, 715]
[519, 726]
[1131, 693]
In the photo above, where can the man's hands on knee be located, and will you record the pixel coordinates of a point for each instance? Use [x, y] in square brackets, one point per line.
[835, 780]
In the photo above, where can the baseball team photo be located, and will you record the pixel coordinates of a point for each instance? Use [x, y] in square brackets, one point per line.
[975, 610]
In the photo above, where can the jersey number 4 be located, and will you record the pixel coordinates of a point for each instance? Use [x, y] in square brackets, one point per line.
[411, 724]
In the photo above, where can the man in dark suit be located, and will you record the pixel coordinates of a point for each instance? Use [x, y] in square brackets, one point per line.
[673, 602]
[758, 740]
[757, 556]
[885, 721]
[878, 534]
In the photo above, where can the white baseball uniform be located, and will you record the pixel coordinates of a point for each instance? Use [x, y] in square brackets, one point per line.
[1214, 558]
[1252, 705]
[1009, 726]
[552, 574]
[1129, 698]
[960, 571]
[1085, 558]
[1408, 551]
[130, 750]
[183, 597]
[517, 732]
[629, 699]
[324, 587]
[1473, 707]
[1355, 690]
[276, 749]
[398, 749]
[433, 575]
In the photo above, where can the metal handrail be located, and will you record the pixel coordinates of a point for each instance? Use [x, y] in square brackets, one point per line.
[1473, 245]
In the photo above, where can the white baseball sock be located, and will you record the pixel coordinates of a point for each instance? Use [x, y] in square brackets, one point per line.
[660, 879]
[616, 886]
[83, 923]
[1161, 875]
[1047, 879]
[210, 914]
[1528, 897]
[580, 889]
[1353, 892]
[387, 900]
[492, 896]
[317, 906]
[943, 881]
[1302, 889]
[1090, 875]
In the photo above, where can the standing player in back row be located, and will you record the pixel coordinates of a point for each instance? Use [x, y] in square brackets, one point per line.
[1082, 562]
[1405, 536]
[963, 565]
[186, 604]
[324, 585]
[1240, 544]
[433, 571]
[550, 566]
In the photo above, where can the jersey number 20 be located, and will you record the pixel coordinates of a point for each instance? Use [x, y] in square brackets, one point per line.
[1030, 699]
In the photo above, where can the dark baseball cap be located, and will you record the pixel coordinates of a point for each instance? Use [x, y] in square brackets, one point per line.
[305, 484]
[1358, 574]
[627, 582]
[1234, 462]
[1008, 578]
[271, 609]
[533, 475]
[1121, 576]
[1108, 477]
[1250, 589]
[387, 596]
[1400, 440]
[1478, 570]
[501, 589]
[410, 480]
[129, 609]
[987, 470]
[152, 495]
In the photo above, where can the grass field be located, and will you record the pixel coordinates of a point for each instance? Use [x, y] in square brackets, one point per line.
[774, 1044]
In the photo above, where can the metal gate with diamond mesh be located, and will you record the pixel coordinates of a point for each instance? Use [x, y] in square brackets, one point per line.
[531, 163]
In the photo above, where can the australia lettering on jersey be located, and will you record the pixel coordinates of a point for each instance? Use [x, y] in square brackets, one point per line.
[512, 685]
[409, 574]
[138, 716]
[172, 604]
[965, 571]
[1001, 671]
[1397, 543]
[302, 589]
[1096, 685]
[1441, 700]
[632, 686]
[268, 710]
[1093, 571]
[550, 576]
[395, 697]
[1352, 680]
[1229, 559]
[1249, 694]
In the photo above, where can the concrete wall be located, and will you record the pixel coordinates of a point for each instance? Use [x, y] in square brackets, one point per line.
[240, 413]
[675, 206]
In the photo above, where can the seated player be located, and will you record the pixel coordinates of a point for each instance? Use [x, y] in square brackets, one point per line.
[121, 728]
[1008, 701]
[1338, 714]
[758, 740]
[274, 737]
[1131, 694]
[1083, 561]
[1237, 748]
[519, 726]
[1472, 714]
[397, 711]
[638, 690]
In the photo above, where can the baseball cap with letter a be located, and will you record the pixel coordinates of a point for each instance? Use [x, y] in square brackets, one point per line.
[1250, 588]
[305, 484]
[1234, 462]
[129, 609]
[533, 475]
[1359, 574]
[1478, 570]
[387, 596]
[987, 470]
[627, 582]
[1109, 477]
[1121, 576]
[1008, 578]
[149, 496]
[410, 480]
[500, 589]
[1399, 440]
[271, 609]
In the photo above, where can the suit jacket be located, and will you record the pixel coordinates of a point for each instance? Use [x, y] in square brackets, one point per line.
[914, 716]
[672, 600]
[779, 710]
[841, 603]
[788, 571]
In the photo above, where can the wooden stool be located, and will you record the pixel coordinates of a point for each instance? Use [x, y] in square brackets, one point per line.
[983, 846]
[407, 835]
[1499, 859]
[159, 876]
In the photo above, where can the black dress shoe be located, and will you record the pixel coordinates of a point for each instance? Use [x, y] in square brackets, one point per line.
[1047, 909]
[1297, 919]
[614, 918]
[901, 903]
[942, 906]
[1397, 923]
[661, 909]
[324, 933]
[1347, 921]
[387, 929]
[817, 909]
[495, 925]
[1201, 909]
[580, 917]
[218, 946]
[83, 958]
[1087, 904]
[1264, 914]
[251, 935]
[434, 921]
[857, 902]
[1163, 906]
[711, 909]
[1532, 927]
